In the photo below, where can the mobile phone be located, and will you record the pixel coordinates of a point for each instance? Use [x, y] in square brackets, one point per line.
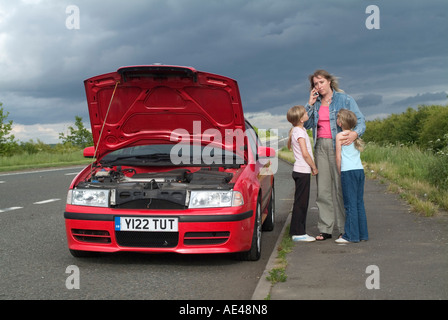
[315, 94]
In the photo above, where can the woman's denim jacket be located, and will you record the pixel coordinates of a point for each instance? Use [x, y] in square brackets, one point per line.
[340, 101]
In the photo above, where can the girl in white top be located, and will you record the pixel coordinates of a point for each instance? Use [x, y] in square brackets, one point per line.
[304, 166]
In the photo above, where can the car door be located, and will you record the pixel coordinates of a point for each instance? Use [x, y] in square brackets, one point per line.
[262, 165]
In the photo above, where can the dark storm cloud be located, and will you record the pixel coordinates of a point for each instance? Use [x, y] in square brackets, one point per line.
[369, 100]
[422, 98]
[269, 47]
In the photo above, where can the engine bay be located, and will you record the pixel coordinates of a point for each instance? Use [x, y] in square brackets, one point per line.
[156, 190]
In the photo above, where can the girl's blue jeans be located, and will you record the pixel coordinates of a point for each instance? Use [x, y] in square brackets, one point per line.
[352, 182]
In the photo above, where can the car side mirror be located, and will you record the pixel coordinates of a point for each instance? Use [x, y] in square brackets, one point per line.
[89, 152]
[265, 152]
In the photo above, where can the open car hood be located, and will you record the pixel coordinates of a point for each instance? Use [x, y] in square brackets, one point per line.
[140, 105]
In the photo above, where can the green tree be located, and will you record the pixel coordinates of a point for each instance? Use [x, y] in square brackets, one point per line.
[426, 127]
[7, 142]
[434, 130]
[79, 137]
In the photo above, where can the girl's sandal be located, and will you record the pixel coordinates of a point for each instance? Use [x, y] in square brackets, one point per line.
[323, 236]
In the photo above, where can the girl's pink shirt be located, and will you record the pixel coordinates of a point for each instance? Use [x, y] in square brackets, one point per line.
[323, 125]
[300, 164]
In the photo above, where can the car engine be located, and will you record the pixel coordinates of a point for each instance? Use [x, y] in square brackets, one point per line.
[155, 190]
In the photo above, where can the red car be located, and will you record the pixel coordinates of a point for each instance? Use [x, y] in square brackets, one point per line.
[177, 167]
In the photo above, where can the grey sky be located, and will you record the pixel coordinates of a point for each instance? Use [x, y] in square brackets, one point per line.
[269, 47]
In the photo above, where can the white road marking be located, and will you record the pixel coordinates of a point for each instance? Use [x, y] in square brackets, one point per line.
[10, 209]
[38, 202]
[46, 201]
[29, 172]
[38, 171]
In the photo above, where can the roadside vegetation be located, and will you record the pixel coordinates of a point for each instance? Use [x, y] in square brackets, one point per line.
[278, 273]
[409, 152]
[42, 160]
[18, 155]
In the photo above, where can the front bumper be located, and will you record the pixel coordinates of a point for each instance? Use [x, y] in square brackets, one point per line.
[222, 230]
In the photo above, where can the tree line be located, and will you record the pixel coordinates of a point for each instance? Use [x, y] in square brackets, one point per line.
[425, 127]
[77, 137]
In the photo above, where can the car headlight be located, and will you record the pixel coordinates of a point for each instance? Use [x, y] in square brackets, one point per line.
[215, 199]
[89, 197]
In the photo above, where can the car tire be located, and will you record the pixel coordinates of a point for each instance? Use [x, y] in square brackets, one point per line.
[269, 222]
[255, 250]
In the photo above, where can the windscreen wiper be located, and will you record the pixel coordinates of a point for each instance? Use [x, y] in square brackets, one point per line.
[155, 157]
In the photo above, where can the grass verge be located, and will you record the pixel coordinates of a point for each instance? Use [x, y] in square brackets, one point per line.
[417, 176]
[408, 171]
[42, 160]
[278, 273]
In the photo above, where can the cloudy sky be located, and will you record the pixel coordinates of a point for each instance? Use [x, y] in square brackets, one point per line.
[388, 59]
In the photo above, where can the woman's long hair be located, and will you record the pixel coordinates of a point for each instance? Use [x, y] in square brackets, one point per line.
[334, 84]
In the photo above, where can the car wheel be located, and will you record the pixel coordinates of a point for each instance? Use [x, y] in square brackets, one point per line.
[268, 224]
[255, 250]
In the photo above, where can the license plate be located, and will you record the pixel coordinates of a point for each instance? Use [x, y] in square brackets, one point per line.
[146, 224]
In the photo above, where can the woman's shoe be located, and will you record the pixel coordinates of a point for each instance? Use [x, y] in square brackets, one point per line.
[303, 238]
[323, 236]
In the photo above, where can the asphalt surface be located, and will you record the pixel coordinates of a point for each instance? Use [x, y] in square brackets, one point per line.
[34, 256]
[406, 257]
[407, 253]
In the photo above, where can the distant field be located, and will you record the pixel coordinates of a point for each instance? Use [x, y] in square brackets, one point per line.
[42, 160]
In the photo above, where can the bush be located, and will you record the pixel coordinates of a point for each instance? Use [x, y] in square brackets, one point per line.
[7, 142]
[425, 127]
[434, 129]
[31, 147]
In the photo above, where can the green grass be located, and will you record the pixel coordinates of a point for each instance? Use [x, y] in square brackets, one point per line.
[42, 160]
[286, 155]
[278, 273]
[419, 177]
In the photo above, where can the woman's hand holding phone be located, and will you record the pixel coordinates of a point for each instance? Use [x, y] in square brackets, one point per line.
[313, 96]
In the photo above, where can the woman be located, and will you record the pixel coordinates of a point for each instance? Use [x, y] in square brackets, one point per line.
[325, 100]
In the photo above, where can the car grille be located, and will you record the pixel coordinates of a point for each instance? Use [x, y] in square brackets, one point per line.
[95, 236]
[154, 204]
[204, 238]
[147, 239]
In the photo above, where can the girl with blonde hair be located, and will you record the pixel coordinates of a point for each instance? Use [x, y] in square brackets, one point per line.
[348, 160]
[299, 143]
